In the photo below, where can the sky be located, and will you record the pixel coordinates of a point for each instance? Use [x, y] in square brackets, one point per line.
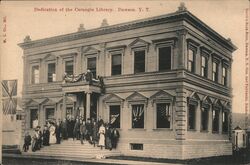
[224, 16]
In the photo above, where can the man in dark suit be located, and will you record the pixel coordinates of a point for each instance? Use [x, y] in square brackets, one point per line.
[58, 132]
[46, 135]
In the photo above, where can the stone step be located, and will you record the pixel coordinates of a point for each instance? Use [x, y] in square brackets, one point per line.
[70, 148]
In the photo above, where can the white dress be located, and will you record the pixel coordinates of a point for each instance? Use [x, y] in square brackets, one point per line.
[102, 136]
[52, 136]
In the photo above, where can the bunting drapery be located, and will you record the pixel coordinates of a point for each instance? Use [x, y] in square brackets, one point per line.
[9, 88]
[137, 112]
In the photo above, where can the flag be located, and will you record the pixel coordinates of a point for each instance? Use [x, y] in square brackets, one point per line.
[9, 92]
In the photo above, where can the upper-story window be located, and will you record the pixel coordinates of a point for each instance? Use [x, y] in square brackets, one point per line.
[139, 61]
[69, 67]
[224, 76]
[164, 58]
[91, 65]
[204, 66]
[51, 72]
[215, 72]
[35, 74]
[191, 60]
[116, 64]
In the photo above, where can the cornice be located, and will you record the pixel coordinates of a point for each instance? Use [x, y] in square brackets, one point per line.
[167, 18]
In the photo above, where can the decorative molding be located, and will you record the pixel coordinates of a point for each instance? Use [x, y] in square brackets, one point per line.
[112, 99]
[120, 49]
[139, 44]
[162, 96]
[165, 42]
[136, 97]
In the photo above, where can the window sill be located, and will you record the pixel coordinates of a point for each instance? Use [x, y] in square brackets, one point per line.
[192, 130]
[137, 129]
[162, 129]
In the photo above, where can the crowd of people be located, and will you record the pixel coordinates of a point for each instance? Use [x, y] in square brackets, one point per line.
[96, 133]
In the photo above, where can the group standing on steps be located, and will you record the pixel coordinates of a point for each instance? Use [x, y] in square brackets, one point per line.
[96, 133]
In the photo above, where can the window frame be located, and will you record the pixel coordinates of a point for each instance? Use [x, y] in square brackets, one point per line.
[216, 109]
[116, 104]
[170, 113]
[89, 57]
[194, 50]
[49, 63]
[69, 60]
[145, 59]
[207, 108]
[144, 115]
[228, 113]
[112, 55]
[30, 118]
[192, 102]
[215, 75]
[224, 80]
[32, 77]
[206, 66]
[158, 57]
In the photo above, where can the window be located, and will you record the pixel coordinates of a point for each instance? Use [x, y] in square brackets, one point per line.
[163, 115]
[191, 116]
[18, 117]
[139, 61]
[204, 118]
[215, 120]
[224, 76]
[136, 146]
[116, 64]
[115, 115]
[138, 116]
[191, 63]
[92, 65]
[52, 72]
[69, 67]
[164, 58]
[35, 74]
[50, 113]
[225, 121]
[204, 66]
[33, 118]
[215, 72]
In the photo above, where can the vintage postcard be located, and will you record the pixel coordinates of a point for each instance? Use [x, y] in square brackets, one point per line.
[125, 82]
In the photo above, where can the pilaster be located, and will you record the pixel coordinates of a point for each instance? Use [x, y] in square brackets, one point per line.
[181, 113]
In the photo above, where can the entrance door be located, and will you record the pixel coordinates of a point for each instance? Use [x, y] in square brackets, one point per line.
[93, 106]
[70, 112]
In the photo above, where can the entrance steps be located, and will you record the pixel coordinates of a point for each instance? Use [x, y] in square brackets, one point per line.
[73, 149]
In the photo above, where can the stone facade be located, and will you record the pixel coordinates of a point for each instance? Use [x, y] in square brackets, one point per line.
[196, 94]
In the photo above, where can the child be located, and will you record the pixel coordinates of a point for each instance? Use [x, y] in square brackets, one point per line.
[27, 142]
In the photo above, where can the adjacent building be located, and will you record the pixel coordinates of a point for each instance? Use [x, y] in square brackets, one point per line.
[164, 81]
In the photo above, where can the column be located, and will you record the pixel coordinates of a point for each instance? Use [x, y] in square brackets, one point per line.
[88, 94]
[210, 119]
[64, 105]
[198, 117]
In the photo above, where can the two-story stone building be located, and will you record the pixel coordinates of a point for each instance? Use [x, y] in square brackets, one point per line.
[167, 83]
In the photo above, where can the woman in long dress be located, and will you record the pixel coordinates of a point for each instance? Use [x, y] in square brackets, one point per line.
[102, 136]
[52, 137]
